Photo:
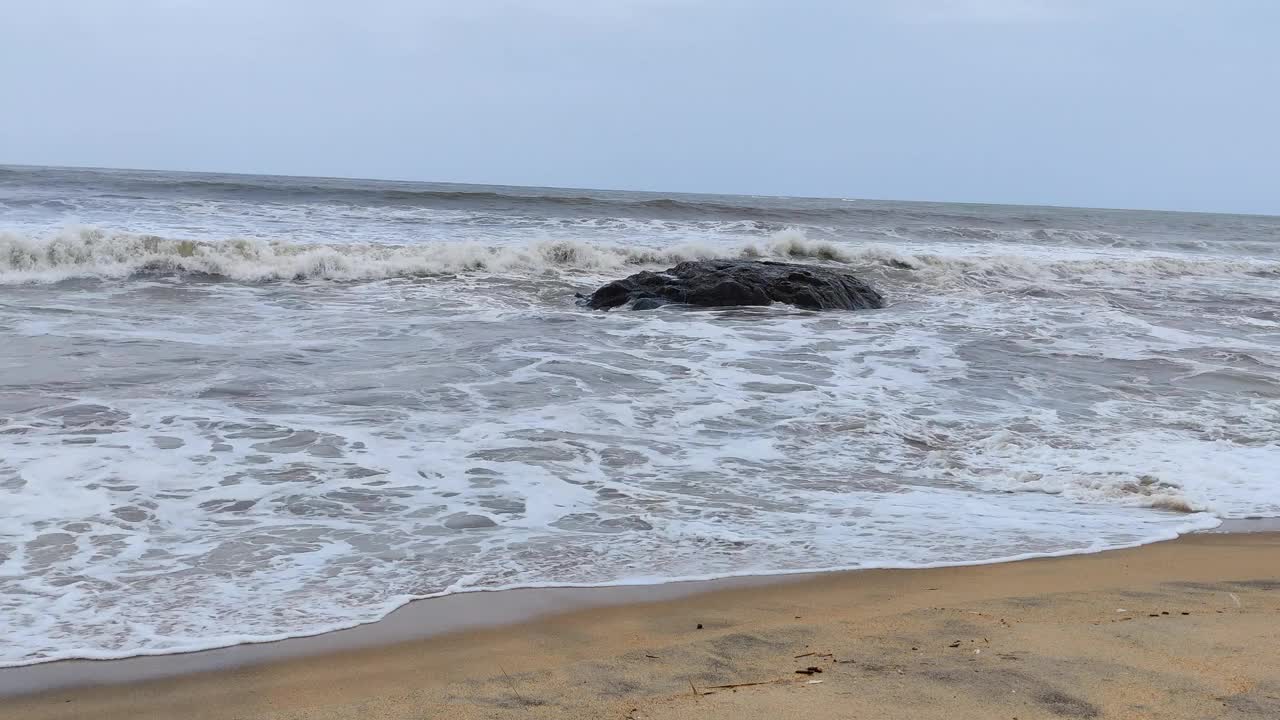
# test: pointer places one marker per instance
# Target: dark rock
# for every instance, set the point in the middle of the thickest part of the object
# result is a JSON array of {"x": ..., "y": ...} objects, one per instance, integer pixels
[
  {"x": 466, "y": 521},
  {"x": 647, "y": 303},
  {"x": 726, "y": 283}
]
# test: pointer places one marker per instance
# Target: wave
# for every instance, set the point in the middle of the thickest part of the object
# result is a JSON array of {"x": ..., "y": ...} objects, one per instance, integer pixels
[
  {"x": 98, "y": 253},
  {"x": 602, "y": 203},
  {"x": 1019, "y": 269},
  {"x": 1071, "y": 237},
  {"x": 531, "y": 200},
  {"x": 545, "y": 201}
]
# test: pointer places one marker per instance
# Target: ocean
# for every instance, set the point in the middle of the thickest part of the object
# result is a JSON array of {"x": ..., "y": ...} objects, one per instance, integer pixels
[{"x": 243, "y": 408}]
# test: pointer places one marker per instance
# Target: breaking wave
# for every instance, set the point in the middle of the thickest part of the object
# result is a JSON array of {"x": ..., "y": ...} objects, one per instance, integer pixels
[{"x": 102, "y": 254}]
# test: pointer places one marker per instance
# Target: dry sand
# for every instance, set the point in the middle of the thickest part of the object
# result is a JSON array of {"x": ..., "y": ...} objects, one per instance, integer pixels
[{"x": 1184, "y": 629}]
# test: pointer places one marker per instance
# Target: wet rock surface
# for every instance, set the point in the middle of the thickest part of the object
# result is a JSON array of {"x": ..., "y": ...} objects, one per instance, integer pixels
[{"x": 728, "y": 283}]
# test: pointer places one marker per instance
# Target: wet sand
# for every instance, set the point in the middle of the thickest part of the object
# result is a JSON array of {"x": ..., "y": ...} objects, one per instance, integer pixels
[{"x": 1183, "y": 629}]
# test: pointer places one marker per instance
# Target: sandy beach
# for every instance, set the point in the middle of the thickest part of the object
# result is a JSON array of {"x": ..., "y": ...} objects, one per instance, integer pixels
[{"x": 1183, "y": 629}]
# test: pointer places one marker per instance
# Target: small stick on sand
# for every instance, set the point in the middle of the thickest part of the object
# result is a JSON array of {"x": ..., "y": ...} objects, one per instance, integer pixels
[
  {"x": 512, "y": 683},
  {"x": 738, "y": 685}
]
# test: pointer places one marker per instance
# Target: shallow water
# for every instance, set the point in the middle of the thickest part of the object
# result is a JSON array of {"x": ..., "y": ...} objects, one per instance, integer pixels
[{"x": 237, "y": 408}]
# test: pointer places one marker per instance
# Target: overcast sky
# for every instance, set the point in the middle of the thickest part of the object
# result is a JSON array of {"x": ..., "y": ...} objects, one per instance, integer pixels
[{"x": 1115, "y": 103}]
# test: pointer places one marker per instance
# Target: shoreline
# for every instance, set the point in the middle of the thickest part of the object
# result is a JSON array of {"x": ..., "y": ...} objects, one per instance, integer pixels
[
  {"x": 427, "y": 618},
  {"x": 1181, "y": 630}
]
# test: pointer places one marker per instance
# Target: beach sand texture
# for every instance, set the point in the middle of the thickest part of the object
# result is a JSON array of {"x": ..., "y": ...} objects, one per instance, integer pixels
[{"x": 1183, "y": 629}]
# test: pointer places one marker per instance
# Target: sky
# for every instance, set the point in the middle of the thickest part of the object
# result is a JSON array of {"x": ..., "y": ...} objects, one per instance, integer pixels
[{"x": 1171, "y": 104}]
